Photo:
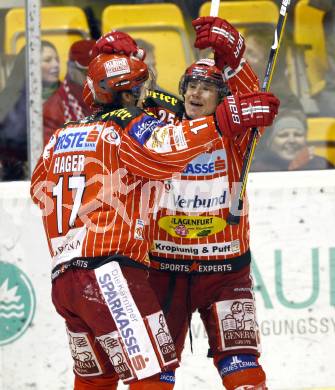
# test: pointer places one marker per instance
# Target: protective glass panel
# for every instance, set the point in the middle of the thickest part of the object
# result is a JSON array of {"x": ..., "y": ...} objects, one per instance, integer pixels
[
  {"x": 302, "y": 135},
  {"x": 13, "y": 113}
]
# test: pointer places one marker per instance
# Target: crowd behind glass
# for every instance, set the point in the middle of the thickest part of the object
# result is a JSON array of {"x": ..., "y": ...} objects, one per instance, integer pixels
[{"x": 286, "y": 146}]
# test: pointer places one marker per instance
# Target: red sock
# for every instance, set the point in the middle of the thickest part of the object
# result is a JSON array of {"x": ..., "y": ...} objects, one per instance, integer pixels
[
  {"x": 151, "y": 384},
  {"x": 104, "y": 383},
  {"x": 250, "y": 378}
]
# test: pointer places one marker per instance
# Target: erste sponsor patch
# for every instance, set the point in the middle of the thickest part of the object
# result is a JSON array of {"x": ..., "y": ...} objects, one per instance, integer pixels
[{"x": 77, "y": 139}]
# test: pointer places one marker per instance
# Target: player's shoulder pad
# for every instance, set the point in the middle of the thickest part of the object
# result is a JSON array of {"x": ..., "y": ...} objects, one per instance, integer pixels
[
  {"x": 156, "y": 98},
  {"x": 122, "y": 116}
]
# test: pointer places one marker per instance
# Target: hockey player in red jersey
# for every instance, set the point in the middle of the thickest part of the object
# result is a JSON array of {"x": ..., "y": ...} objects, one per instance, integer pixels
[
  {"x": 96, "y": 183},
  {"x": 200, "y": 262}
]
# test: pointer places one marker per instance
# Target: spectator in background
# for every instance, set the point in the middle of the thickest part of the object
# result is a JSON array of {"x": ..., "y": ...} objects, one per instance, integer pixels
[
  {"x": 284, "y": 147},
  {"x": 13, "y": 111},
  {"x": 150, "y": 60},
  {"x": 66, "y": 103},
  {"x": 258, "y": 41},
  {"x": 50, "y": 69},
  {"x": 13, "y": 123}
]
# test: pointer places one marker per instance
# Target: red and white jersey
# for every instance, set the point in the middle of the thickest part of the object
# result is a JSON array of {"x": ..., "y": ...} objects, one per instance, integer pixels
[
  {"x": 97, "y": 180},
  {"x": 191, "y": 218}
]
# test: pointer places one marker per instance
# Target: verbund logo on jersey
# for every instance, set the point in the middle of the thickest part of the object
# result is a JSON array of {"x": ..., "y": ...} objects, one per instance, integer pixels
[
  {"x": 75, "y": 139},
  {"x": 207, "y": 164},
  {"x": 196, "y": 195}
]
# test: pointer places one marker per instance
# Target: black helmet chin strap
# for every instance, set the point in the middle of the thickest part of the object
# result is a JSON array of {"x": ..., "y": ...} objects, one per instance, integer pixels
[{"x": 115, "y": 104}]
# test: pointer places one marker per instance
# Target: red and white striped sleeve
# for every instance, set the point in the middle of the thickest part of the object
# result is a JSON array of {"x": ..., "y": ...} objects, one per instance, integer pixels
[
  {"x": 157, "y": 151},
  {"x": 241, "y": 80}
]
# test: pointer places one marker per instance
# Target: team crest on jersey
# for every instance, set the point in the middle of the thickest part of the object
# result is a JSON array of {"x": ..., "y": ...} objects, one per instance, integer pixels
[
  {"x": 78, "y": 139},
  {"x": 111, "y": 136}
]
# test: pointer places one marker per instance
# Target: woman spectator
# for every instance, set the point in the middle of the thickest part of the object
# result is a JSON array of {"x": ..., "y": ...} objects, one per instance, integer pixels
[
  {"x": 50, "y": 69},
  {"x": 13, "y": 123},
  {"x": 13, "y": 111},
  {"x": 66, "y": 103},
  {"x": 284, "y": 147}
]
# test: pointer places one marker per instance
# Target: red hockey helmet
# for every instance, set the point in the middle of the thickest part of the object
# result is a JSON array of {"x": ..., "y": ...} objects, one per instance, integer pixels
[
  {"x": 203, "y": 70},
  {"x": 109, "y": 74}
]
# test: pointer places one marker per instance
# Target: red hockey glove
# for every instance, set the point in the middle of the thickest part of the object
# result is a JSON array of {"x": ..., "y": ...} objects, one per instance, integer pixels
[
  {"x": 227, "y": 42},
  {"x": 238, "y": 112},
  {"x": 117, "y": 42}
]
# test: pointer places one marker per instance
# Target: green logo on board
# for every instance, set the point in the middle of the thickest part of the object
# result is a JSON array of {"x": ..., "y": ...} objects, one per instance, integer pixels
[{"x": 17, "y": 303}]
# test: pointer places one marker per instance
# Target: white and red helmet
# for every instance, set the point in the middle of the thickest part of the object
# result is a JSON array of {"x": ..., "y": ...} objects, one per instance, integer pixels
[
  {"x": 109, "y": 74},
  {"x": 203, "y": 70}
]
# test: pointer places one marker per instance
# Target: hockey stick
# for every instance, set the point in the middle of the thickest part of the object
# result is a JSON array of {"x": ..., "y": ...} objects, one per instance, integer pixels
[
  {"x": 214, "y": 8},
  {"x": 236, "y": 206},
  {"x": 214, "y": 11}
]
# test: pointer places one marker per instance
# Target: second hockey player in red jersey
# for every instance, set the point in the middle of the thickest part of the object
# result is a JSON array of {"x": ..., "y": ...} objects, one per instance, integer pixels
[
  {"x": 93, "y": 184},
  {"x": 201, "y": 262}
]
